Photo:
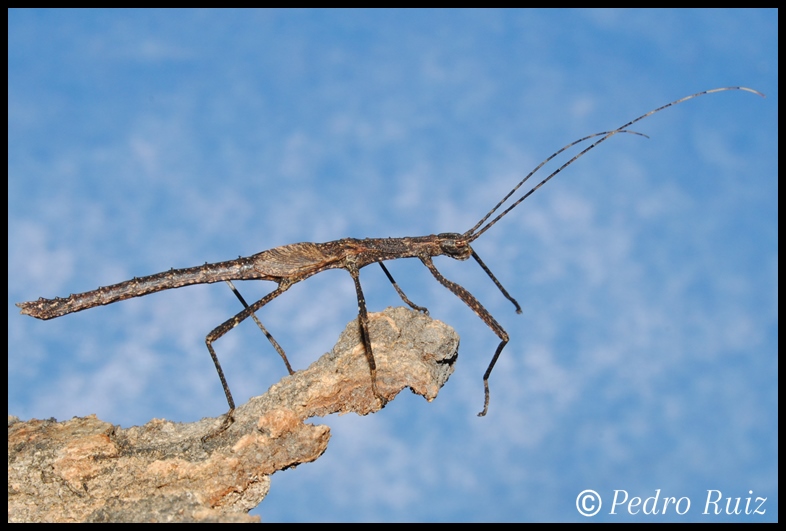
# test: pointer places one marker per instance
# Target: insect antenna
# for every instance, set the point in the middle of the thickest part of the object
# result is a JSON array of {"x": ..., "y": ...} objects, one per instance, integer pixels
[
  {"x": 472, "y": 235},
  {"x": 471, "y": 231}
]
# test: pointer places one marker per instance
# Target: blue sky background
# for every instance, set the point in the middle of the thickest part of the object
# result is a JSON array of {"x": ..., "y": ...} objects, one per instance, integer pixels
[{"x": 646, "y": 354}]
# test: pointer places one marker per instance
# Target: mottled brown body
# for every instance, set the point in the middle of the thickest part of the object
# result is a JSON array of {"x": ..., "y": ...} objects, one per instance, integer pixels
[
  {"x": 286, "y": 264},
  {"x": 290, "y": 264}
]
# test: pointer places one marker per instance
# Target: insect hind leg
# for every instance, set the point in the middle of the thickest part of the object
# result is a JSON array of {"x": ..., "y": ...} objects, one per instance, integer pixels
[
  {"x": 268, "y": 335},
  {"x": 225, "y": 327}
]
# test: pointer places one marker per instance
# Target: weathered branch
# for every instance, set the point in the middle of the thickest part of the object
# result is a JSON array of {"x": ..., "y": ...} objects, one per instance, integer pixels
[{"x": 85, "y": 469}]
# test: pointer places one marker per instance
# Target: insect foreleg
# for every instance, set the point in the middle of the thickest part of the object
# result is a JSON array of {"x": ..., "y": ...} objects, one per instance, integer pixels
[
  {"x": 264, "y": 330},
  {"x": 481, "y": 312},
  {"x": 492, "y": 277},
  {"x": 400, "y": 292}
]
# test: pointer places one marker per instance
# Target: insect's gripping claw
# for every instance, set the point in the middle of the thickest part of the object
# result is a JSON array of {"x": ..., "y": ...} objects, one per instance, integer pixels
[
  {"x": 229, "y": 419},
  {"x": 486, "y": 402},
  {"x": 382, "y": 400}
]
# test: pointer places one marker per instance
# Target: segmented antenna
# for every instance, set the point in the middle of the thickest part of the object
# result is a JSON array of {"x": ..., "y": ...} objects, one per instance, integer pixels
[{"x": 471, "y": 235}]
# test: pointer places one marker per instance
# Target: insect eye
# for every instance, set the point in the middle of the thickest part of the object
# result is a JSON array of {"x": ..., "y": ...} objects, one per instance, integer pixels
[{"x": 456, "y": 248}]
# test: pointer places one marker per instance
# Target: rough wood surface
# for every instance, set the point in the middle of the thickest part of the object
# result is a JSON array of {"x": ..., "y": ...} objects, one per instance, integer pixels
[{"x": 85, "y": 469}]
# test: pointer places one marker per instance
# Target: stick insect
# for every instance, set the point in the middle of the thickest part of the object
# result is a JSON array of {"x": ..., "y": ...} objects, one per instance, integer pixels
[{"x": 290, "y": 264}]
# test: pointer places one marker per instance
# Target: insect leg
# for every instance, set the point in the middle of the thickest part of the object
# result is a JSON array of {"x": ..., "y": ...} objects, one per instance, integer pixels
[
  {"x": 228, "y": 325},
  {"x": 481, "y": 312},
  {"x": 363, "y": 318},
  {"x": 492, "y": 277},
  {"x": 264, "y": 330},
  {"x": 400, "y": 292}
]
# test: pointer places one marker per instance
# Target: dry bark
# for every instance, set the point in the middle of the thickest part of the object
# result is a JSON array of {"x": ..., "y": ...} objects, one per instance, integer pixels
[{"x": 85, "y": 469}]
